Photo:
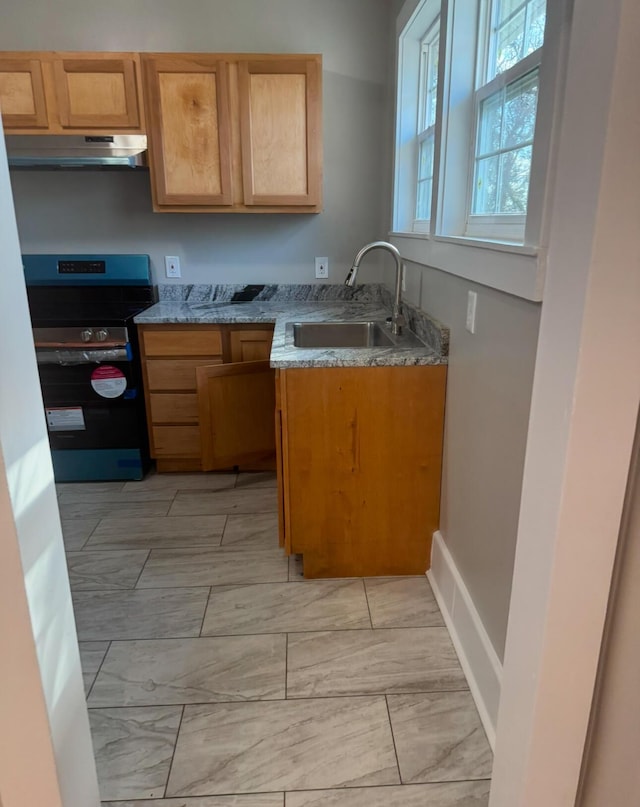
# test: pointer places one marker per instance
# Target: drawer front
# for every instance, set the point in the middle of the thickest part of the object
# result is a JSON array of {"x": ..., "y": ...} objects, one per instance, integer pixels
[
  {"x": 175, "y": 374},
  {"x": 176, "y": 441},
  {"x": 198, "y": 342},
  {"x": 174, "y": 407}
]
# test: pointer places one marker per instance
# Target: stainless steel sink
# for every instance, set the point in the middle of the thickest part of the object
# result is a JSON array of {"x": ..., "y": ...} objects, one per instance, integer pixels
[{"x": 341, "y": 334}]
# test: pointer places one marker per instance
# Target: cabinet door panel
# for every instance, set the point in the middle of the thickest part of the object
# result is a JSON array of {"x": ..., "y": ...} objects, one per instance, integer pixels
[
  {"x": 188, "y": 111},
  {"x": 280, "y": 131},
  {"x": 22, "y": 99},
  {"x": 96, "y": 93},
  {"x": 250, "y": 345},
  {"x": 362, "y": 465},
  {"x": 237, "y": 406}
]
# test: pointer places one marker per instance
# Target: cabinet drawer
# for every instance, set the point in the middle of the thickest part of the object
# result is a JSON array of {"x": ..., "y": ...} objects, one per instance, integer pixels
[
  {"x": 167, "y": 342},
  {"x": 176, "y": 441},
  {"x": 174, "y": 408},
  {"x": 175, "y": 374}
]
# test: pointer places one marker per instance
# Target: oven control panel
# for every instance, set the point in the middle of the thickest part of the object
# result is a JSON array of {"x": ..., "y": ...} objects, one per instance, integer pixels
[
  {"x": 76, "y": 337},
  {"x": 67, "y": 267}
]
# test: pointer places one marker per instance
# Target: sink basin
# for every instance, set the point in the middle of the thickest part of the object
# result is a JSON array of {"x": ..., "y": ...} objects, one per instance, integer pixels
[{"x": 341, "y": 334}]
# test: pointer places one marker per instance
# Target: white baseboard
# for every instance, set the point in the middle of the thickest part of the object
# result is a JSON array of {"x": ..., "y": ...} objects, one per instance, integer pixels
[{"x": 479, "y": 660}]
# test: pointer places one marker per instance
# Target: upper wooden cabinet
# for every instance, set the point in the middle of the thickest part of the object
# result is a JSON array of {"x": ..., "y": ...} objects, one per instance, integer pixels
[
  {"x": 280, "y": 128},
  {"x": 234, "y": 132},
  {"x": 55, "y": 93},
  {"x": 22, "y": 99},
  {"x": 189, "y": 122}
]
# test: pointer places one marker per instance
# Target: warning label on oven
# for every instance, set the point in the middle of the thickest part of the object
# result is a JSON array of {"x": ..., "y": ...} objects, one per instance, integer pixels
[
  {"x": 108, "y": 381},
  {"x": 65, "y": 419}
]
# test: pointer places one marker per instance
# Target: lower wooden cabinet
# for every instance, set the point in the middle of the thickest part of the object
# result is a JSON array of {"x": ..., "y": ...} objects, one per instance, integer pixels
[
  {"x": 209, "y": 403},
  {"x": 359, "y": 467}
]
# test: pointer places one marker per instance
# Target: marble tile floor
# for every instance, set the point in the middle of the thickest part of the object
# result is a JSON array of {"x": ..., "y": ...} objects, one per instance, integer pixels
[{"x": 216, "y": 676}]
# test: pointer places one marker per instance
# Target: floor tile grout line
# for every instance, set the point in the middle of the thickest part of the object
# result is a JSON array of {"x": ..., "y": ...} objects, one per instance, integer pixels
[
  {"x": 227, "y": 635},
  {"x": 393, "y": 738},
  {"x": 131, "y": 548},
  {"x": 146, "y": 560},
  {"x": 204, "y": 615},
  {"x": 224, "y": 529},
  {"x": 175, "y": 745},
  {"x": 88, "y": 538},
  {"x": 366, "y": 596},
  {"x": 288, "y": 699},
  {"x": 286, "y": 667},
  {"x": 98, "y": 672}
]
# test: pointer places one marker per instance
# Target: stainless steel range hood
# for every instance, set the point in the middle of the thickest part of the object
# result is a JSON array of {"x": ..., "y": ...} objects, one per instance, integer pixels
[{"x": 77, "y": 151}]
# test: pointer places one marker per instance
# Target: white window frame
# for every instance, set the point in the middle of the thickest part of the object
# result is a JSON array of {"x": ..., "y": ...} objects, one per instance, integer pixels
[
  {"x": 430, "y": 41},
  {"x": 507, "y": 227},
  {"x": 419, "y": 24},
  {"x": 452, "y": 245}
]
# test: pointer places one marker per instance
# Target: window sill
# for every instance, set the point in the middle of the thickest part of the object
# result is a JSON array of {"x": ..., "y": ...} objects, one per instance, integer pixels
[{"x": 513, "y": 268}]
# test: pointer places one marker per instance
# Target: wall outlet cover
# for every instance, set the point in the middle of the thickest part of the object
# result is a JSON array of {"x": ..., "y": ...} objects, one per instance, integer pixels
[{"x": 322, "y": 268}]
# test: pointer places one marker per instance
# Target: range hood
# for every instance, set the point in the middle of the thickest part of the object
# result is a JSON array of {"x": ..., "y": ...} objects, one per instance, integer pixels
[{"x": 77, "y": 151}]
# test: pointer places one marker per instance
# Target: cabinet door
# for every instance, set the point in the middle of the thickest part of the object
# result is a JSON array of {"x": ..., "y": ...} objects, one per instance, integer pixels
[
  {"x": 237, "y": 405},
  {"x": 280, "y": 120},
  {"x": 251, "y": 345},
  {"x": 281, "y": 470},
  {"x": 97, "y": 92},
  {"x": 189, "y": 129},
  {"x": 22, "y": 99}
]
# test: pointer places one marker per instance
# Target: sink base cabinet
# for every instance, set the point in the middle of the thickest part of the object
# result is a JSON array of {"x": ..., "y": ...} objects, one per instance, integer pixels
[
  {"x": 209, "y": 404},
  {"x": 359, "y": 465}
]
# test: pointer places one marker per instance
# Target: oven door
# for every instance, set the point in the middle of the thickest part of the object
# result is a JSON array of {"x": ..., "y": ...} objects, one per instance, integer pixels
[{"x": 95, "y": 413}]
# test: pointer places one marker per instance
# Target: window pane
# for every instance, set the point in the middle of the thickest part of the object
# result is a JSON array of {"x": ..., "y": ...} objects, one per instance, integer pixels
[
  {"x": 486, "y": 186},
  {"x": 490, "y": 128},
  {"x": 536, "y": 18},
  {"x": 432, "y": 82},
  {"x": 513, "y": 189},
  {"x": 510, "y": 42},
  {"x": 425, "y": 163},
  {"x": 519, "y": 117},
  {"x": 518, "y": 30},
  {"x": 425, "y": 177},
  {"x": 423, "y": 207}
]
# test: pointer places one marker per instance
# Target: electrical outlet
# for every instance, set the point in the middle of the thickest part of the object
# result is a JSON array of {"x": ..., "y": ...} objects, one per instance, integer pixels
[
  {"x": 322, "y": 268},
  {"x": 172, "y": 266},
  {"x": 472, "y": 300}
]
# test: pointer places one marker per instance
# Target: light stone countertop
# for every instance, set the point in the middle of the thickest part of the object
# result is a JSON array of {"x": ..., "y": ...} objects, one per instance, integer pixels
[{"x": 284, "y": 355}]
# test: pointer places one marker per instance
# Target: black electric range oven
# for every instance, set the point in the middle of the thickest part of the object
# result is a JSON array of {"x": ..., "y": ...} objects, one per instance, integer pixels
[{"x": 82, "y": 309}]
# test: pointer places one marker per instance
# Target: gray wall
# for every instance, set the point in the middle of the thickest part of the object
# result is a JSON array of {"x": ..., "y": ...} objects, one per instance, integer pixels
[
  {"x": 488, "y": 398},
  {"x": 112, "y": 212}
]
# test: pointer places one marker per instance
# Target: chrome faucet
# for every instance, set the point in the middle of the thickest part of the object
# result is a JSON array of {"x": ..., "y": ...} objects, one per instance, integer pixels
[{"x": 397, "y": 319}]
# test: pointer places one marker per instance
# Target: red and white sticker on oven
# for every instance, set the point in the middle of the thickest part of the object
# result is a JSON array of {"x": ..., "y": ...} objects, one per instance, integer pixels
[{"x": 108, "y": 381}]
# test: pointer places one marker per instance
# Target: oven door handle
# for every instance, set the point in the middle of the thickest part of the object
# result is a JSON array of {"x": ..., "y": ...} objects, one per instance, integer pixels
[{"x": 66, "y": 358}]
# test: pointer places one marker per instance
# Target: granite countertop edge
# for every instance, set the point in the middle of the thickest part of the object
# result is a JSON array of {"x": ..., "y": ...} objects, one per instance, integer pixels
[{"x": 284, "y": 355}]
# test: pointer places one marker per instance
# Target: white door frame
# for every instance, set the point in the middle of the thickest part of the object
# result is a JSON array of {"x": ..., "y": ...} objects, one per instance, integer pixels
[{"x": 585, "y": 402}]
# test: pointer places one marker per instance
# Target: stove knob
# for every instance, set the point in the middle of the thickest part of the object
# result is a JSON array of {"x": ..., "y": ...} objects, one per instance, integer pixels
[
  {"x": 101, "y": 334},
  {"x": 86, "y": 335}
]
